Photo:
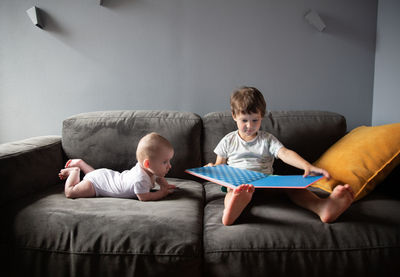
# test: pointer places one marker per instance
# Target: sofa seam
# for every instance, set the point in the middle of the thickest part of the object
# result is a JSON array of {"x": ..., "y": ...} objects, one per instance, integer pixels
[
  {"x": 304, "y": 249},
  {"x": 97, "y": 253},
  {"x": 133, "y": 117},
  {"x": 285, "y": 116}
]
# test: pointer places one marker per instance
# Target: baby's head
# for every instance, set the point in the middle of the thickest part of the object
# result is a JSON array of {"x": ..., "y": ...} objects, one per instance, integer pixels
[
  {"x": 248, "y": 108},
  {"x": 154, "y": 153},
  {"x": 247, "y": 100}
]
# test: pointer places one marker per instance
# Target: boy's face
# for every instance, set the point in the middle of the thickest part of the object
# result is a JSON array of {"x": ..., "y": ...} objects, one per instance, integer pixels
[
  {"x": 248, "y": 125},
  {"x": 160, "y": 165}
]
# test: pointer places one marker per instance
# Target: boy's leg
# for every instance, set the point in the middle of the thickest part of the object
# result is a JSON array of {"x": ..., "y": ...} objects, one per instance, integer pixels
[
  {"x": 79, "y": 163},
  {"x": 235, "y": 202},
  {"x": 328, "y": 209},
  {"x": 74, "y": 188}
]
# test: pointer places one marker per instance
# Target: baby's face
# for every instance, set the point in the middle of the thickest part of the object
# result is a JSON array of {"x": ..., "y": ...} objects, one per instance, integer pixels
[
  {"x": 162, "y": 164},
  {"x": 248, "y": 125}
]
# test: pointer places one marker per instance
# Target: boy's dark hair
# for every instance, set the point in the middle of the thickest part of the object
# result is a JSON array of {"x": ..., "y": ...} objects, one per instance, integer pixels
[{"x": 246, "y": 100}]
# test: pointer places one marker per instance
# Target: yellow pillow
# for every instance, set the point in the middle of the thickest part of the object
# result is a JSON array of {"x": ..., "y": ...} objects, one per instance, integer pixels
[{"x": 362, "y": 158}]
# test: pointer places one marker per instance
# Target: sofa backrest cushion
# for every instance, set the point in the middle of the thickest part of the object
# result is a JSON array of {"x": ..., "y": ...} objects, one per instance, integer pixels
[
  {"x": 29, "y": 166},
  {"x": 109, "y": 139},
  {"x": 309, "y": 133}
]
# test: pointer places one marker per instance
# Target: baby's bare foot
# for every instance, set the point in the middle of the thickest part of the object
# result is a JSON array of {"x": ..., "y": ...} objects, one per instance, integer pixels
[
  {"x": 81, "y": 164},
  {"x": 64, "y": 173},
  {"x": 73, "y": 163},
  {"x": 340, "y": 199},
  {"x": 235, "y": 205}
]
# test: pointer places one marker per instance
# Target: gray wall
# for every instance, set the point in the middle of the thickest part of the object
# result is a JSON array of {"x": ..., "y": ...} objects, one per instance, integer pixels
[
  {"x": 181, "y": 55},
  {"x": 387, "y": 64}
]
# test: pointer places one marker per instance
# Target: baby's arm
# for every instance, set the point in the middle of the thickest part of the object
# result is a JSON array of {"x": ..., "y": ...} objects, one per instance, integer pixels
[
  {"x": 163, "y": 183},
  {"x": 219, "y": 160},
  {"x": 292, "y": 158},
  {"x": 164, "y": 190},
  {"x": 153, "y": 196}
]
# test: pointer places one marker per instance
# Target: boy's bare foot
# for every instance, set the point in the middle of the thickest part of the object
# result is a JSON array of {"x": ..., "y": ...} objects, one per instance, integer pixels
[
  {"x": 236, "y": 202},
  {"x": 338, "y": 201},
  {"x": 64, "y": 173}
]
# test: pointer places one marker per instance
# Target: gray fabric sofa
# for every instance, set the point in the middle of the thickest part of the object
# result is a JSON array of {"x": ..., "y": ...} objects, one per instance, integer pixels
[{"x": 46, "y": 234}]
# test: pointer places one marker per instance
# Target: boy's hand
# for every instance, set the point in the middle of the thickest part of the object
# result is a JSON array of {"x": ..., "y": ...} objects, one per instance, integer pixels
[
  {"x": 290, "y": 157},
  {"x": 219, "y": 161},
  {"x": 313, "y": 170}
]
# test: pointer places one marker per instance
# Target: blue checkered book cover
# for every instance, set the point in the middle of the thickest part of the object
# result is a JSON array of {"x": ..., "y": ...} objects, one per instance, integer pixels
[{"x": 232, "y": 177}]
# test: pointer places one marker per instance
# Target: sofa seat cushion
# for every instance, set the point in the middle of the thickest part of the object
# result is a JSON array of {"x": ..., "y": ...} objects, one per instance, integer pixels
[
  {"x": 274, "y": 237},
  {"x": 111, "y": 236}
]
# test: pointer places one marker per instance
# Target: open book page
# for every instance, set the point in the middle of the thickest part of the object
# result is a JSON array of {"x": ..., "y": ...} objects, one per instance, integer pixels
[{"x": 232, "y": 177}]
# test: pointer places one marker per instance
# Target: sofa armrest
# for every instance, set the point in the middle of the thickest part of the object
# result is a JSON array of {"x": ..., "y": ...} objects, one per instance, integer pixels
[{"x": 28, "y": 166}]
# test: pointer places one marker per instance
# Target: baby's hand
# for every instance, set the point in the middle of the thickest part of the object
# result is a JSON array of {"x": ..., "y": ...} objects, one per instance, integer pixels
[
  {"x": 161, "y": 181},
  {"x": 165, "y": 186},
  {"x": 171, "y": 186},
  {"x": 167, "y": 189},
  {"x": 210, "y": 164}
]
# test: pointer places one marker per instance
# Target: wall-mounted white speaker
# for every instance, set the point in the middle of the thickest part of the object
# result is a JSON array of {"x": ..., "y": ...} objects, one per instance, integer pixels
[
  {"x": 34, "y": 15},
  {"x": 315, "y": 20}
]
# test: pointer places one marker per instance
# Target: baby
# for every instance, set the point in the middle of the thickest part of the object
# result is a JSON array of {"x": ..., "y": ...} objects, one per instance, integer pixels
[{"x": 153, "y": 154}]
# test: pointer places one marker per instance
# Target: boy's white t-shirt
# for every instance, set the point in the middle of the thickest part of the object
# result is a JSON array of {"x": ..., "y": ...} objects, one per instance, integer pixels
[
  {"x": 257, "y": 154},
  {"x": 124, "y": 184}
]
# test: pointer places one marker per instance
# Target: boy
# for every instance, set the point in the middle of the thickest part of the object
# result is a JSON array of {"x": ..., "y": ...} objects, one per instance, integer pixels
[
  {"x": 153, "y": 153},
  {"x": 252, "y": 149}
]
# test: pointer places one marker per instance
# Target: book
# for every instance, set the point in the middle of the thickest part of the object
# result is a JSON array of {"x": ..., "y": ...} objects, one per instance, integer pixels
[{"x": 232, "y": 177}]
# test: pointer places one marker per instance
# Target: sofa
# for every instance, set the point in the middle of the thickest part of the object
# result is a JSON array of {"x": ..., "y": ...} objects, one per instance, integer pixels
[{"x": 46, "y": 234}]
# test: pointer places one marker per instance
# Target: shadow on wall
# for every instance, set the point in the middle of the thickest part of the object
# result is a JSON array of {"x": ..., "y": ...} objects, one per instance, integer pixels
[
  {"x": 347, "y": 30},
  {"x": 112, "y": 4},
  {"x": 52, "y": 25}
]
